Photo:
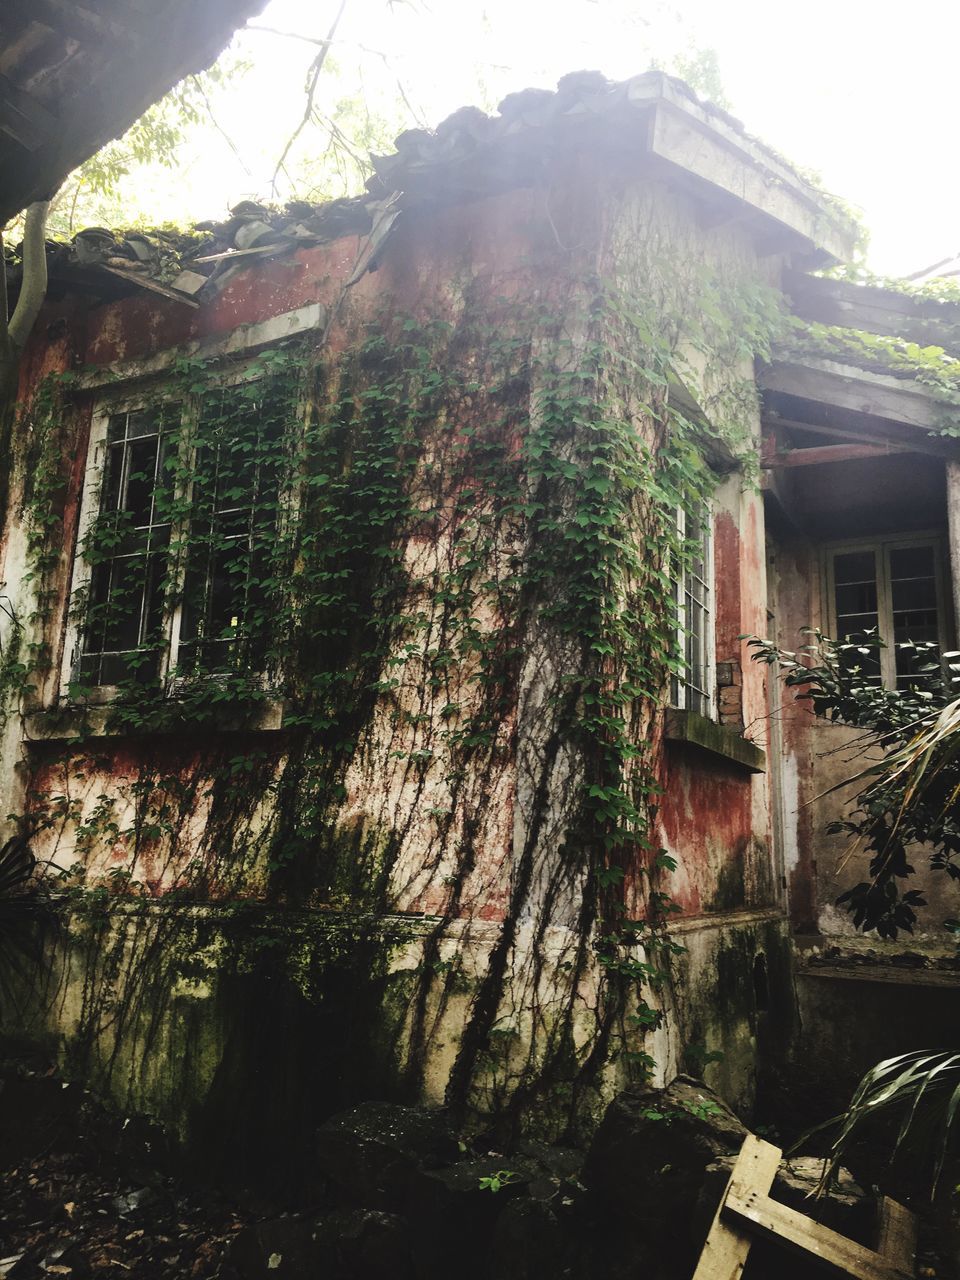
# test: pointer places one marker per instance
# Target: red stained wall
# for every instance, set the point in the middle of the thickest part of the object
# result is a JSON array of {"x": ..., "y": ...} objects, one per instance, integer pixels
[{"x": 710, "y": 813}]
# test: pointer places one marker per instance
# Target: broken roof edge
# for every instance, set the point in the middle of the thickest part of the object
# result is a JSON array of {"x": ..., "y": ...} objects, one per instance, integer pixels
[
  {"x": 469, "y": 154},
  {"x": 830, "y": 229},
  {"x": 679, "y": 129}
]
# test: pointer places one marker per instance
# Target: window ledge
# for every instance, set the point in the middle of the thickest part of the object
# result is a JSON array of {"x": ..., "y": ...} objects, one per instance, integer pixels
[
  {"x": 717, "y": 739},
  {"x": 77, "y": 723}
]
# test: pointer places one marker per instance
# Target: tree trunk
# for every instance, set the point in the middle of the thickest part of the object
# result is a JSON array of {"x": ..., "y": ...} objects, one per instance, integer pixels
[{"x": 15, "y": 331}]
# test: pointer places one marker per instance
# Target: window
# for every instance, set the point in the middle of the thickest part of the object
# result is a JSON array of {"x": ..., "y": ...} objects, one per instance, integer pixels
[
  {"x": 692, "y": 688},
  {"x": 180, "y": 533},
  {"x": 234, "y": 502},
  {"x": 129, "y": 556},
  {"x": 892, "y": 588}
]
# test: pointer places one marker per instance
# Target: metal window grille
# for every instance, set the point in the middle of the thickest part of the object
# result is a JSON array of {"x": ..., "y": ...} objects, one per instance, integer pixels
[
  {"x": 123, "y": 637},
  {"x": 692, "y": 688},
  {"x": 232, "y": 529},
  {"x": 167, "y": 598}
]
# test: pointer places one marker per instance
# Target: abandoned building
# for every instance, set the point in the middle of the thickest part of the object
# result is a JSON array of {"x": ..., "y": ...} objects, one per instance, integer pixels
[{"x": 375, "y": 581}]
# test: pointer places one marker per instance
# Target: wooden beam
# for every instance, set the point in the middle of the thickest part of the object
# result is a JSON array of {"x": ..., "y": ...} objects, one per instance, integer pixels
[
  {"x": 773, "y": 421},
  {"x": 786, "y": 1226},
  {"x": 726, "y": 1250},
  {"x": 932, "y": 446},
  {"x": 825, "y": 453},
  {"x": 875, "y": 310}
]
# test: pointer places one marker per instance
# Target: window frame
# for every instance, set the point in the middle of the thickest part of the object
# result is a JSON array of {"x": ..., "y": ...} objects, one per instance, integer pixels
[
  {"x": 153, "y": 398},
  {"x": 706, "y": 697},
  {"x": 882, "y": 546}
]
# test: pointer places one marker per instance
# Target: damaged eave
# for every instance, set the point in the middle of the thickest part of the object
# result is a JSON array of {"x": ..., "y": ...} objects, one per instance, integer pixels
[
  {"x": 713, "y": 150},
  {"x": 875, "y": 395},
  {"x": 651, "y": 121}
]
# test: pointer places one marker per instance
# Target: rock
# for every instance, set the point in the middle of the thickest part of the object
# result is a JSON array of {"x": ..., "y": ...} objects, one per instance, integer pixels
[
  {"x": 553, "y": 1171},
  {"x": 372, "y": 1153},
  {"x": 283, "y": 1249},
  {"x": 453, "y": 1213},
  {"x": 364, "y": 1244},
  {"x": 528, "y": 1243},
  {"x": 646, "y": 1166},
  {"x": 562, "y": 1162},
  {"x": 348, "y": 1244},
  {"x": 650, "y": 1151}
]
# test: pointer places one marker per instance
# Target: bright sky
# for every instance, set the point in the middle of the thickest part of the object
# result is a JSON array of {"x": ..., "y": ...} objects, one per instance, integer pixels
[{"x": 864, "y": 92}]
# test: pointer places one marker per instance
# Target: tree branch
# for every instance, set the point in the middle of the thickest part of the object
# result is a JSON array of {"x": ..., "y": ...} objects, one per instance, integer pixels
[
  {"x": 33, "y": 287},
  {"x": 313, "y": 76},
  {"x": 5, "y": 352}
]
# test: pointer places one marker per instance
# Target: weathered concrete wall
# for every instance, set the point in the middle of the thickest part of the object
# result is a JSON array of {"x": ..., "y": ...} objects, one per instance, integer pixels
[{"x": 455, "y": 897}]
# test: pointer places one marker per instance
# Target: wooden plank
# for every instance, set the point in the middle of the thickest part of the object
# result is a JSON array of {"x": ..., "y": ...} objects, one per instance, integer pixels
[
  {"x": 873, "y": 309},
  {"x": 897, "y": 1236},
  {"x": 786, "y": 1226},
  {"x": 154, "y": 286},
  {"x": 773, "y": 421},
  {"x": 726, "y": 1249},
  {"x": 275, "y": 246}
]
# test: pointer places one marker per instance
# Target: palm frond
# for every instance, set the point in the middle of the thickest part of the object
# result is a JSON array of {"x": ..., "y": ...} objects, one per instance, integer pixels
[{"x": 923, "y": 1085}]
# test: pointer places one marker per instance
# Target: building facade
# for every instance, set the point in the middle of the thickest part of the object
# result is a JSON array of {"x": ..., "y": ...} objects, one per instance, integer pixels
[{"x": 376, "y": 577}]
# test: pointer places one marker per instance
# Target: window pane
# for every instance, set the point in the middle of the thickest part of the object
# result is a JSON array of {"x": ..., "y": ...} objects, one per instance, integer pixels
[
  {"x": 693, "y": 601},
  {"x": 128, "y": 546},
  {"x": 236, "y": 491},
  {"x": 856, "y": 599},
  {"x": 141, "y": 463},
  {"x": 855, "y": 592},
  {"x": 856, "y": 608},
  {"x": 913, "y": 594}
]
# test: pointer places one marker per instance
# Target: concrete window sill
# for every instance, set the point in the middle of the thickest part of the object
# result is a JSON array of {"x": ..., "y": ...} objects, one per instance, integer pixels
[
  {"x": 77, "y": 723},
  {"x": 716, "y": 739}
]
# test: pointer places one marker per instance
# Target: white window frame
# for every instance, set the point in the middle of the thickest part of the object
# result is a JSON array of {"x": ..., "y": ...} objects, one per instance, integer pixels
[
  {"x": 82, "y": 576},
  {"x": 882, "y": 547},
  {"x": 103, "y": 410},
  {"x": 702, "y": 700}
]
